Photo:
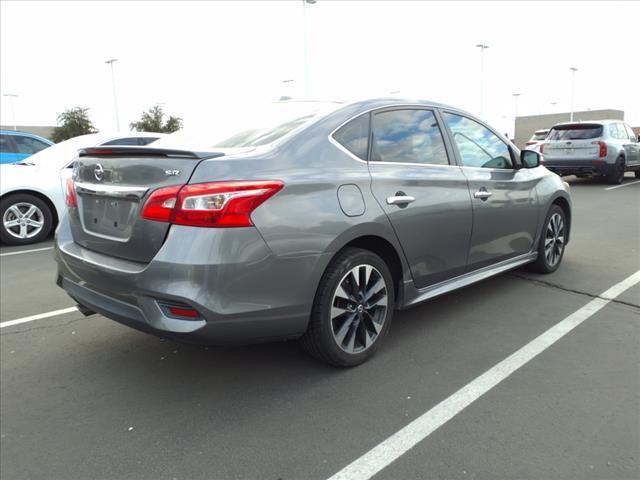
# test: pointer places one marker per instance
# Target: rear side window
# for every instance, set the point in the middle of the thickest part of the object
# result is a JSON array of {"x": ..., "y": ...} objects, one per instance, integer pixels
[
  {"x": 630, "y": 133},
  {"x": 28, "y": 145},
  {"x": 407, "y": 136},
  {"x": 478, "y": 146},
  {"x": 583, "y": 131},
  {"x": 354, "y": 136},
  {"x": 6, "y": 146}
]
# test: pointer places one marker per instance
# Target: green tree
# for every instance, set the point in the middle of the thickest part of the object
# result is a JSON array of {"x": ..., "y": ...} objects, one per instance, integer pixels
[
  {"x": 153, "y": 121},
  {"x": 71, "y": 123}
]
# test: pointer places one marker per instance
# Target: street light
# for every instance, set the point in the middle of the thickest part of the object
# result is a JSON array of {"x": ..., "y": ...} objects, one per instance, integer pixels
[
  {"x": 573, "y": 89},
  {"x": 515, "y": 117},
  {"x": 482, "y": 48},
  {"x": 115, "y": 98},
  {"x": 13, "y": 112},
  {"x": 306, "y": 44},
  {"x": 553, "y": 106}
]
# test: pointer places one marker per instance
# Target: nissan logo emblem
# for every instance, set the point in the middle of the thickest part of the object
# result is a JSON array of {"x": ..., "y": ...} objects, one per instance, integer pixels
[{"x": 98, "y": 172}]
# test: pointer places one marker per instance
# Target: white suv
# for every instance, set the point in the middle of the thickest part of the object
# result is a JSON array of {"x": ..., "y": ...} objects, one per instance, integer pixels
[{"x": 605, "y": 148}]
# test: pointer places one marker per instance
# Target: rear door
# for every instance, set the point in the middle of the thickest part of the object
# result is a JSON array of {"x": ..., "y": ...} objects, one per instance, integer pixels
[
  {"x": 504, "y": 199},
  {"x": 423, "y": 193},
  {"x": 112, "y": 184}
]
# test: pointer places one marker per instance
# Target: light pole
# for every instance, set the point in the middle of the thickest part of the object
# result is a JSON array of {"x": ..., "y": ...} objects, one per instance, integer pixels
[
  {"x": 13, "y": 112},
  {"x": 482, "y": 48},
  {"x": 553, "y": 106},
  {"x": 573, "y": 89},
  {"x": 515, "y": 117},
  {"x": 115, "y": 98},
  {"x": 306, "y": 44}
]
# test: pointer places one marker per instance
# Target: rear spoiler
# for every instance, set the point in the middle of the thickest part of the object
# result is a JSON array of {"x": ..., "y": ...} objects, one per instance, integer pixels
[{"x": 136, "y": 151}]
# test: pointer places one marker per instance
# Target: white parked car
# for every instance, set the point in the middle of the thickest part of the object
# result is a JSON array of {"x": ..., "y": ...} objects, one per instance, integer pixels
[
  {"x": 32, "y": 191},
  {"x": 536, "y": 139}
]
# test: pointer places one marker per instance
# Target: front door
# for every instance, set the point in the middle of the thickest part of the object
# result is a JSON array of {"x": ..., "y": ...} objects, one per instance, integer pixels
[{"x": 505, "y": 204}]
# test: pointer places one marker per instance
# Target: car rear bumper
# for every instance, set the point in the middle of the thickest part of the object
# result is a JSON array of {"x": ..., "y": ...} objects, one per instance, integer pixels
[
  {"x": 241, "y": 290},
  {"x": 578, "y": 167}
]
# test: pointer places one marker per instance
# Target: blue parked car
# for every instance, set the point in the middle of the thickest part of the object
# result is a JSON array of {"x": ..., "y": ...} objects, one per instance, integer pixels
[{"x": 16, "y": 146}]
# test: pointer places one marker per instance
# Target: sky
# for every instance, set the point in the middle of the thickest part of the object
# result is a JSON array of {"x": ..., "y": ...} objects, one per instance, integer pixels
[{"x": 198, "y": 59}]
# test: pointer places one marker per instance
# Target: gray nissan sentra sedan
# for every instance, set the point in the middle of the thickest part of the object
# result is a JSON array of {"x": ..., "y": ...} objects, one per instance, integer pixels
[{"x": 313, "y": 221}]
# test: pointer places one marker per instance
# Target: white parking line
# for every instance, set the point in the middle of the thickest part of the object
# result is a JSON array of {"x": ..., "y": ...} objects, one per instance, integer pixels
[
  {"x": 623, "y": 185},
  {"x": 25, "y": 251},
  {"x": 40, "y": 316},
  {"x": 402, "y": 441}
]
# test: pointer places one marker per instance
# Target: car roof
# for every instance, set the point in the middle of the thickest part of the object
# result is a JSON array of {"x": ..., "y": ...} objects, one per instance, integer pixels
[
  {"x": 596, "y": 122},
  {"x": 24, "y": 134},
  {"x": 380, "y": 102}
]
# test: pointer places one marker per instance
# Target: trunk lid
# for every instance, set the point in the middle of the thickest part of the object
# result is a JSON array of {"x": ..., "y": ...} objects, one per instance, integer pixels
[{"x": 112, "y": 185}]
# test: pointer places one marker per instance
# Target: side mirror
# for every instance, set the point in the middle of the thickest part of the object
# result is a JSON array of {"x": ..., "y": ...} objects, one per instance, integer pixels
[{"x": 529, "y": 159}]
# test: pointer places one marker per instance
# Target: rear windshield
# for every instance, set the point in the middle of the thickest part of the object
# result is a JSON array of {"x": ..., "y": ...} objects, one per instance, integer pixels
[
  {"x": 247, "y": 127},
  {"x": 539, "y": 136},
  {"x": 575, "y": 132}
]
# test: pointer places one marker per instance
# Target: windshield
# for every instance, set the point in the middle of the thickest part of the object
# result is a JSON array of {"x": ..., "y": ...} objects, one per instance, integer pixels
[
  {"x": 539, "y": 136},
  {"x": 60, "y": 153},
  {"x": 247, "y": 128},
  {"x": 575, "y": 132}
]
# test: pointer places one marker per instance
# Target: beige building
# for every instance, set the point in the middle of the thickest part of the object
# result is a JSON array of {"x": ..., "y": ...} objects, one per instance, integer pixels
[{"x": 525, "y": 126}]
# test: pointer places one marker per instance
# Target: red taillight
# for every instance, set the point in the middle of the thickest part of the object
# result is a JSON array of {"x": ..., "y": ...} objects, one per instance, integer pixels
[
  {"x": 219, "y": 204},
  {"x": 70, "y": 194},
  {"x": 603, "y": 148},
  {"x": 531, "y": 143},
  {"x": 161, "y": 203},
  {"x": 542, "y": 148}
]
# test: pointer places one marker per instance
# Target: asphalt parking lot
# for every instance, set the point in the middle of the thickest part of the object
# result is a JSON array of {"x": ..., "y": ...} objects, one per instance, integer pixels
[{"x": 85, "y": 398}]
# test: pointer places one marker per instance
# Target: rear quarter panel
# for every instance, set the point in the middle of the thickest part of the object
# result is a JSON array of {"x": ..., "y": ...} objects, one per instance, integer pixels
[{"x": 305, "y": 218}]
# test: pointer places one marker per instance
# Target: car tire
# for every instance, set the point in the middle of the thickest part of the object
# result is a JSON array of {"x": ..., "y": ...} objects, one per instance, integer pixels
[
  {"x": 350, "y": 316},
  {"x": 552, "y": 241},
  {"x": 24, "y": 214},
  {"x": 616, "y": 175}
]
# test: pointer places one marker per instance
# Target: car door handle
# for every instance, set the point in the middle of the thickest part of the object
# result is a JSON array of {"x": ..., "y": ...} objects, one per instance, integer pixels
[
  {"x": 482, "y": 194},
  {"x": 400, "y": 200}
]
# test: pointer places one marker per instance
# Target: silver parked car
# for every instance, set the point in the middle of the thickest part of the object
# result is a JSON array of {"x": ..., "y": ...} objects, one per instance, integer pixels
[
  {"x": 316, "y": 223},
  {"x": 604, "y": 148}
]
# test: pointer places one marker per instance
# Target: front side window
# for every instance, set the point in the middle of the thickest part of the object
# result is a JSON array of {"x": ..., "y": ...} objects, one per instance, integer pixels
[
  {"x": 354, "y": 136},
  {"x": 407, "y": 136},
  {"x": 29, "y": 145},
  {"x": 478, "y": 146}
]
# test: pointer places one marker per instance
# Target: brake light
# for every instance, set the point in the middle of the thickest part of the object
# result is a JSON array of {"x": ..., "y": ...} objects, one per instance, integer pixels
[
  {"x": 71, "y": 198},
  {"x": 542, "y": 148},
  {"x": 161, "y": 203},
  {"x": 603, "y": 148},
  {"x": 218, "y": 204},
  {"x": 531, "y": 143}
]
